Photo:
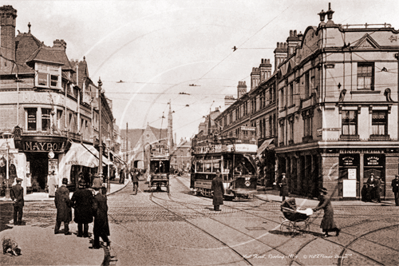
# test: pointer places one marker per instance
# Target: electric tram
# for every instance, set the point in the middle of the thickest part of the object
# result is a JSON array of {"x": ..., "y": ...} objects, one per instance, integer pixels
[
  {"x": 233, "y": 158},
  {"x": 159, "y": 166}
]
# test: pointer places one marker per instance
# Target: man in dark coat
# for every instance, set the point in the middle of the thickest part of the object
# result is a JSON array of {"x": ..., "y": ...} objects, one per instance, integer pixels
[
  {"x": 395, "y": 189},
  {"x": 218, "y": 191},
  {"x": 63, "y": 205},
  {"x": 17, "y": 196},
  {"x": 100, "y": 212},
  {"x": 82, "y": 201},
  {"x": 377, "y": 185},
  {"x": 122, "y": 176},
  {"x": 327, "y": 224},
  {"x": 371, "y": 187},
  {"x": 283, "y": 187},
  {"x": 135, "y": 181}
]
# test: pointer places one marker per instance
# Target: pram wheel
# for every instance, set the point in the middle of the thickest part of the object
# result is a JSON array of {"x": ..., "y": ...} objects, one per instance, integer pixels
[{"x": 286, "y": 226}]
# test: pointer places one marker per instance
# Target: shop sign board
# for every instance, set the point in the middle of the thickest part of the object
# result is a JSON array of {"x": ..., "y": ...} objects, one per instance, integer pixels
[
  {"x": 374, "y": 160},
  {"x": 349, "y": 188},
  {"x": 41, "y": 146},
  {"x": 349, "y": 160}
]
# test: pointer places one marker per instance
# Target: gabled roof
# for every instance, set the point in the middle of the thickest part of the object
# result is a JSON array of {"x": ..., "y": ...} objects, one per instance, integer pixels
[
  {"x": 25, "y": 45},
  {"x": 82, "y": 71},
  {"x": 366, "y": 42},
  {"x": 44, "y": 54},
  {"x": 159, "y": 133}
]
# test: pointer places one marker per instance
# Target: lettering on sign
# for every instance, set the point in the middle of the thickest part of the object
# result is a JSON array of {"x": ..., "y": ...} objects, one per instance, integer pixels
[
  {"x": 349, "y": 151},
  {"x": 36, "y": 146}
]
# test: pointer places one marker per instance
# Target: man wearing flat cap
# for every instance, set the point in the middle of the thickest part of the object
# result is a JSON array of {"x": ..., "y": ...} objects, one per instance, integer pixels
[{"x": 17, "y": 196}]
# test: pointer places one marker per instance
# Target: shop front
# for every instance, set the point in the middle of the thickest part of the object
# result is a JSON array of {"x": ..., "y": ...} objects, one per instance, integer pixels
[
  {"x": 41, "y": 155},
  {"x": 355, "y": 168}
]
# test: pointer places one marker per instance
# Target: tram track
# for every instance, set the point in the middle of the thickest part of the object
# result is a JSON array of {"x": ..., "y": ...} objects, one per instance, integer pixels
[
  {"x": 189, "y": 205},
  {"x": 202, "y": 230},
  {"x": 275, "y": 248},
  {"x": 344, "y": 247}
]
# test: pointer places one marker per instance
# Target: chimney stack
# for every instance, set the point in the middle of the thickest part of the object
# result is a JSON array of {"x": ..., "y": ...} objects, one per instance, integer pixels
[
  {"x": 241, "y": 89},
  {"x": 59, "y": 44},
  {"x": 265, "y": 70},
  {"x": 280, "y": 54},
  {"x": 255, "y": 77},
  {"x": 7, "y": 37}
]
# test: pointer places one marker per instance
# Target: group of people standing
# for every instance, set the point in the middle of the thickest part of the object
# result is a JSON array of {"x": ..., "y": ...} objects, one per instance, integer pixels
[{"x": 89, "y": 204}]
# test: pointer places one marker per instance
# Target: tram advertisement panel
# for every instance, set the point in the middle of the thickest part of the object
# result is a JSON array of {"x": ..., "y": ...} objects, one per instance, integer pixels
[{"x": 203, "y": 184}]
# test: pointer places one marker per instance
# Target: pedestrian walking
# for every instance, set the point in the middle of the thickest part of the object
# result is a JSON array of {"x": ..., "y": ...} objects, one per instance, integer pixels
[
  {"x": 82, "y": 202},
  {"x": 17, "y": 196},
  {"x": 395, "y": 189},
  {"x": 135, "y": 181},
  {"x": 63, "y": 205},
  {"x": 218, "y": 191},
  {"x": 100, "y": 212},
  {"x": 122, "y": 176},
  {"x": 327, "y": 224},
  {"x": 52, "y": 183},
  {"x": 377, "y": 187},
  {"x": 283, "y": 184}
]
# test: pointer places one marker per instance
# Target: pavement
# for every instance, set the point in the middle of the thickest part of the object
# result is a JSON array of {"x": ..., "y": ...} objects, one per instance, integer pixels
[
  {"x": 40, "y": 246},
  {"x": 273, "y": 195}
]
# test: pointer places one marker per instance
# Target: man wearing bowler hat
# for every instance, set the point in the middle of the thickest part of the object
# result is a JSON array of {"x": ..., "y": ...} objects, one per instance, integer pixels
[
  {"x": 17, "y": 196},
  {"x": 82, "y": 201},
  {"x": 100, "y": 213}
]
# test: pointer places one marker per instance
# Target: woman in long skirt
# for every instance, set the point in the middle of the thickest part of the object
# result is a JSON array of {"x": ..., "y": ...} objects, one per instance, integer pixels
[{"x": 327, "y": 224}]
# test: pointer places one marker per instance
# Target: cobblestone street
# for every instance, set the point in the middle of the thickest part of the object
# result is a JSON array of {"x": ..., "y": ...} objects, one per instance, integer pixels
[{"x": 157, "y": 228}]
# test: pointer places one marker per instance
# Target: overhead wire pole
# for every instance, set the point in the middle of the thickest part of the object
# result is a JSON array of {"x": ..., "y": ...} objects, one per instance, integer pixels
[{"x": 100, "y": 164}]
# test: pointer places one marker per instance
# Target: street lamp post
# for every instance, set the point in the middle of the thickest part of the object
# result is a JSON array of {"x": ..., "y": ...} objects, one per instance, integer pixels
[
  {"x": 100, "y": 166},
  {"x": 7, "y": 192},
  {"x": 109, "y": 160}
]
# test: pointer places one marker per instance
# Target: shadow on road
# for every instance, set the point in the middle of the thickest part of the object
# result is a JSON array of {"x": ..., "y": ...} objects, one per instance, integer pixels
[{"x": 6, "y": 215}]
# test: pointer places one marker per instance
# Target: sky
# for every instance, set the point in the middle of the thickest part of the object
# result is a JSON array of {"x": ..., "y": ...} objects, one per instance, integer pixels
[{"x": 147, "y": 53}]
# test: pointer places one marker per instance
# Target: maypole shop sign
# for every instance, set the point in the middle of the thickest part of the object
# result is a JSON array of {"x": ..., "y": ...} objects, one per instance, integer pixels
[{"x": 43, "y": 146}]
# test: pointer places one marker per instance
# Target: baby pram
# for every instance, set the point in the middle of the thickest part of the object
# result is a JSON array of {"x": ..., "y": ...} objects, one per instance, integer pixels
[{"x": 294, "y": 220}]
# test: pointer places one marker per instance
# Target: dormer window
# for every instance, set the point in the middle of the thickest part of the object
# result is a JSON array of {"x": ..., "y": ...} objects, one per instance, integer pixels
[{"x": 48, "y": 76}]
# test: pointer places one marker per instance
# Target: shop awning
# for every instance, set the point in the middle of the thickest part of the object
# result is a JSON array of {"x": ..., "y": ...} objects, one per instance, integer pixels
[
  {"x": 267, "y": 144},
  {"x": 95, "y": 153},
  {"x": 83, "y": 154}
]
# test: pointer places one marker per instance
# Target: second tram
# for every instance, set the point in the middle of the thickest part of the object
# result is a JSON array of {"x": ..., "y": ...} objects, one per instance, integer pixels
[{"x": 235, "y": 162}]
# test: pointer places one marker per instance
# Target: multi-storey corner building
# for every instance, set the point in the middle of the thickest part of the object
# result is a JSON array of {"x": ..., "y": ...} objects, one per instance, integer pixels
[
  {"x": 328, "y": 115},
  {"x": 338, "y": 109},
  {"x": 48, "y": 105}
]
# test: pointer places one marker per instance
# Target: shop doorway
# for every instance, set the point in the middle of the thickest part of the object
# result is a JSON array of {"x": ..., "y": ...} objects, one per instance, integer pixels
[
  {"x": 375, "y": 163},
  {"x": 39, "y": 170}
]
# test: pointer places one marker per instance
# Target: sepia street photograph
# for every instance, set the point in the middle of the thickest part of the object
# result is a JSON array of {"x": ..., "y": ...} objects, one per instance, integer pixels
[{"x": 199, "y": 132}]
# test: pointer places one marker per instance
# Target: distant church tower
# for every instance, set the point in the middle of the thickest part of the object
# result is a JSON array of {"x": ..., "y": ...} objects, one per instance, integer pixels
[{"x": 170, "y": 128}]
